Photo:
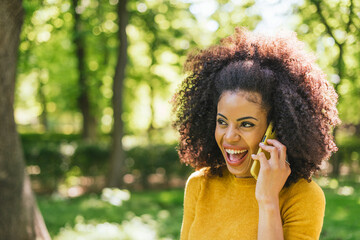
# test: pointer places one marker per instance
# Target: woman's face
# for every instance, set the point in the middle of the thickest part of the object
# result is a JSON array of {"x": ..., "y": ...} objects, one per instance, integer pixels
[{"x": 240, "y": 126}]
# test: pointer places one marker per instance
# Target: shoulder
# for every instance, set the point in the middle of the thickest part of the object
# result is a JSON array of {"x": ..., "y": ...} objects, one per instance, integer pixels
[
  {"x": 302, "y": 210},
  {"x": 305, "y": 190},
  {"x": 303, "y": 199},
  {"x": 193, "y": 185},
  {"x": 196, "y": 178}
]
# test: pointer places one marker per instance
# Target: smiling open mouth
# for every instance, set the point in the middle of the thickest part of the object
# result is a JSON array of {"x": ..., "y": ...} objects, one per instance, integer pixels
[{"x": 235, "y": 157}]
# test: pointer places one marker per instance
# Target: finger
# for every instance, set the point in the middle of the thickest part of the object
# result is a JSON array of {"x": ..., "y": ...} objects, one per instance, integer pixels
[
  {"x": 287, "y": 161},
  {"x": 281, "y": 149},
  {"x": 264, "y": 163},
  {"x": 288, "y": 169},
  {"x": 273, "y": 152}
]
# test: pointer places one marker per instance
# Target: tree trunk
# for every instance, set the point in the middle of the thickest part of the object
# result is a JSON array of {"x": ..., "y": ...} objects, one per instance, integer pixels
[
  {"x": 151, "y": 127},
  {"x": 117, "y": 158},
  {"x": 19, "y": 215},
  {"x": 89, "y": 121},
  {"x": 42, "y": 100}
]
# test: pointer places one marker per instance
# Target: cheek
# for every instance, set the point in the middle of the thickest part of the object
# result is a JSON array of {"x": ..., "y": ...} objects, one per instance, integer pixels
[
  {"x": 254, "y": 140},
  {"x": 218, "y": 135}
]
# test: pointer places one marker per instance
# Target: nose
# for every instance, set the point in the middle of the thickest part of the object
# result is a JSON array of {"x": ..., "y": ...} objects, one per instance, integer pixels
[{"x": 232, "y": 135}]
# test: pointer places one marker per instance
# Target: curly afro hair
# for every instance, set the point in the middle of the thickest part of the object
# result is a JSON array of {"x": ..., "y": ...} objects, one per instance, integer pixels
[{"x": 295, "y": 93}]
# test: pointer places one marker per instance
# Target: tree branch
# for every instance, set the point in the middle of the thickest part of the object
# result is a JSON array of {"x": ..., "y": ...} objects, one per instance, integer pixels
[
  {"x": 328, "y": 28},
  {"x": 351, "y": 16}
]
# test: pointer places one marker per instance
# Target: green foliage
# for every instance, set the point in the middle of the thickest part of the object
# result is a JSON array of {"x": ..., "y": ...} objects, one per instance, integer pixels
[
  {"x": 53, "y": 159},
  {"x": 46, "y": 160},
  {"x": 349, "y": 150},
  {"x": 46, "y": 56},
  {"x": 331, "y": 28},
  {"x": 30, "y": 139},
  {"x": 92, "y": 159},
  {"x": 160, "y": 34},
  {"x": 152, "y": 157}
]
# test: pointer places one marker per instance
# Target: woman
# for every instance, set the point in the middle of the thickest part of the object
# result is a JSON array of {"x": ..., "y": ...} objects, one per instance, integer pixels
[{"x": 233, "y": 91}]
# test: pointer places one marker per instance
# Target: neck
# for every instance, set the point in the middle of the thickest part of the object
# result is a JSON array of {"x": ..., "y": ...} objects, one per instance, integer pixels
[{"x": 243, "y": 176}]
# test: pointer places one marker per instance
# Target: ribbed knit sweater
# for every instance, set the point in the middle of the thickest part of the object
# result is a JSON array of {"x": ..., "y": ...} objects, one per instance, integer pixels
[{"x": 226, "y": 208}]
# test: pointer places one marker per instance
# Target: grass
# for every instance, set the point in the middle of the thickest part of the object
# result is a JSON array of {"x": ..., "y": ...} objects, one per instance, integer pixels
[
  {"x": 342, "y": 212},
  {"x": 164, "y": 208}
]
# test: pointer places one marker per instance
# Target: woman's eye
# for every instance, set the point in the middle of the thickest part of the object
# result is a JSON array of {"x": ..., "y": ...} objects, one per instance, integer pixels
[
  {"x": 221, "y": 122},
  {"x": 247, "y": 124}
]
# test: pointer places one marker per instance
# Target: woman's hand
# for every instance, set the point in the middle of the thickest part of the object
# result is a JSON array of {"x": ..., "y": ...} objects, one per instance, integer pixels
[
  {"x": 273, "y": 172},
  {"x": 271, "y": 179}
]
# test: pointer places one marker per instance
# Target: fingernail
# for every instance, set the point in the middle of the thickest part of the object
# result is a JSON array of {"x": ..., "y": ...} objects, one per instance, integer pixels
[
  {"x": 261, "y": 144},
  {"x": 253, "y": 155}
]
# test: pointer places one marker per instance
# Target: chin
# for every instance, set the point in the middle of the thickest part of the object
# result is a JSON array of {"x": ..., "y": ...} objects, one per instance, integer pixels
[{"x": 242, "y": 170}]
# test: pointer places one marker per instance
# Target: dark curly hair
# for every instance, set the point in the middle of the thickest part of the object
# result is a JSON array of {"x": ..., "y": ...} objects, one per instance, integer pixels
[{"x": 295, "y": 92}]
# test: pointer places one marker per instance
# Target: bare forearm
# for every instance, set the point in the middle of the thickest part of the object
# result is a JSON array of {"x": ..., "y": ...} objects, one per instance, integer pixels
[{"x": 270, "y": 225}]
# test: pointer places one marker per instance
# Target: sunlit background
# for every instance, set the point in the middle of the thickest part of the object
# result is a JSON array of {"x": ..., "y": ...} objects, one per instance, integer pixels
[
  {"x": 68, "y": 168},
  {"x": 48, "y": 83}
]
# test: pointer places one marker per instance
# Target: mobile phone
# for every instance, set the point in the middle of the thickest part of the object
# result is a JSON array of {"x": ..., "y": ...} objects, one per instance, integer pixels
[{"x": 269, "y": 134}]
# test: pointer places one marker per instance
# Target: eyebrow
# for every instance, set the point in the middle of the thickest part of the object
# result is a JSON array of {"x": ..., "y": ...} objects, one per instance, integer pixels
[{"x": 239, "y": 119}]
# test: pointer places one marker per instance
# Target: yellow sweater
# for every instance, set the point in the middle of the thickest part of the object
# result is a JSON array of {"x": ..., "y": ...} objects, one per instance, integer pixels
[{"x": 226, "y": 208}]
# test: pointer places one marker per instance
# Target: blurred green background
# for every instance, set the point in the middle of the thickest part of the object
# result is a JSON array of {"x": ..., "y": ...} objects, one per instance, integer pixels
[{"x": 67, "y": 143}]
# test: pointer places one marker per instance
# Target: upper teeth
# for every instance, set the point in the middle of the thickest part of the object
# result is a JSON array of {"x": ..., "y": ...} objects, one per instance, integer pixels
[{"x": 232, "y": 151}]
